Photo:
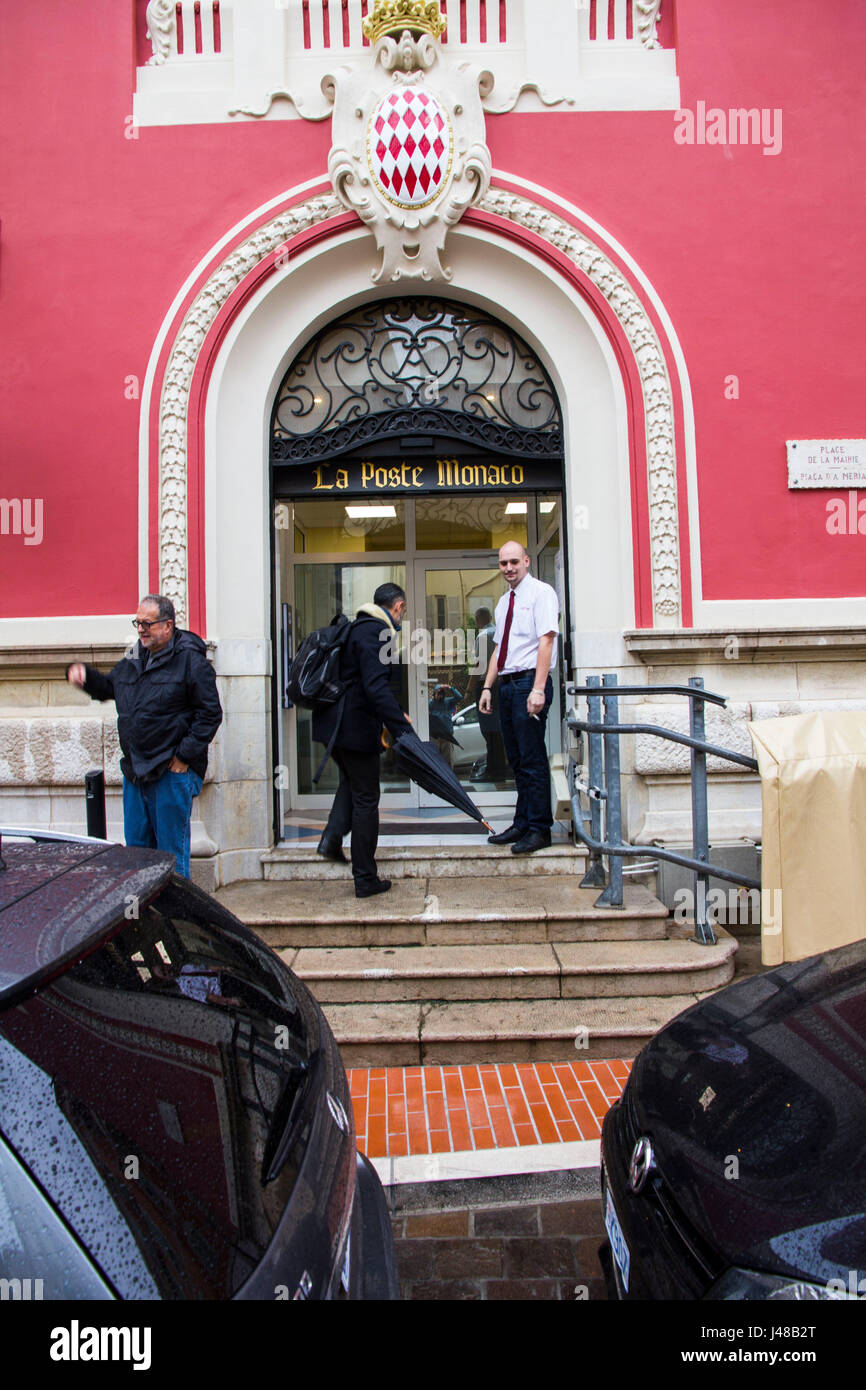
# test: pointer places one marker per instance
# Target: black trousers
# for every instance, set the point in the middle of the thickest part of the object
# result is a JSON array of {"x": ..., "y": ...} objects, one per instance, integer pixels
[
  {"x": 526, "y": 751},
  {"x": 356, "y": 808}
]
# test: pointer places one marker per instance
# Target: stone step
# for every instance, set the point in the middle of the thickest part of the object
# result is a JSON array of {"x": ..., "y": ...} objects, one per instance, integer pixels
[
  {"x": 475, "y": 859},
  {"x": 442, "y": 911},
  {"x": 564, "y": 970},
  {"x": 521, "y": 1030}
]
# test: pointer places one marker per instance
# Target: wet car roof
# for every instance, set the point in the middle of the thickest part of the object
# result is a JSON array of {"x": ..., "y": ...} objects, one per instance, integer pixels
[{"x": 60, "y": 900}]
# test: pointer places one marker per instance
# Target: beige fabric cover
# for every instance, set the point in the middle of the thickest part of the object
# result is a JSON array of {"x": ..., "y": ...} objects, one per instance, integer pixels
[{"x": 813, "y": 794}]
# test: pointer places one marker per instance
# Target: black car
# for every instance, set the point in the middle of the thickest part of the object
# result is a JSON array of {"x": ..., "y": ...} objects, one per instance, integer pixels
[
  {"x": 175, "y": 1120},
  {"x": 734, "y": 1165}
]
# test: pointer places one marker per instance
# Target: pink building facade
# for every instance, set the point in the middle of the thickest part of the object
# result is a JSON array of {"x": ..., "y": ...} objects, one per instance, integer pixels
[{"x": 655, "y": 210}]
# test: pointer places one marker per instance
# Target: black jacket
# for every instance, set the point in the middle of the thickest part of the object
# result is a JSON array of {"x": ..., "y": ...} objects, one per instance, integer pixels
[
  {"x": 171, "y": 707},
  {"x": 370, "y": 701}
]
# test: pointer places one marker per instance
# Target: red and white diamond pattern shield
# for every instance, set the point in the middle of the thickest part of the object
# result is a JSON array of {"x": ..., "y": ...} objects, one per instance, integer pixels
[{"x": 409, "y": 147}]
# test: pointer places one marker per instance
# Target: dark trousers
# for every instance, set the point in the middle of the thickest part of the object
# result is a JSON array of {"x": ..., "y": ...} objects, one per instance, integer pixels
[
  {"x": 526, "y": 752},
  {"x": 496, "y": 760},
  {"x": 356, "y": 808}
]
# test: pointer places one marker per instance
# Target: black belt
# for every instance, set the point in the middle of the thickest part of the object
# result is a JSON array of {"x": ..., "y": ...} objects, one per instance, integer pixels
[{"x": 516, "y": 675}]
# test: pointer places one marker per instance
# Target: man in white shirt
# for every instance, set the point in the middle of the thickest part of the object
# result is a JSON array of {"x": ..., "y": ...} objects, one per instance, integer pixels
[{"x": 527, "y": 622}]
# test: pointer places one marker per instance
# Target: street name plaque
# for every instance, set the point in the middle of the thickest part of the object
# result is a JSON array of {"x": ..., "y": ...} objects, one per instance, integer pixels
[{"x": 826, "y": 463}]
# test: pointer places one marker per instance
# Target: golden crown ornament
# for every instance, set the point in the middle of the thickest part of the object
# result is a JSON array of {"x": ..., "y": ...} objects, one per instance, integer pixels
[{"x": 393, "y": 16}]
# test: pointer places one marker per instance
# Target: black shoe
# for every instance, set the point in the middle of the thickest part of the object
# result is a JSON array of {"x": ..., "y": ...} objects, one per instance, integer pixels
[
  {"x": 368, "y": 890},
  {"x": 533, "y": 840},
  {"x": 507, "y": 837},
  {"x": 331, "y": 849}
]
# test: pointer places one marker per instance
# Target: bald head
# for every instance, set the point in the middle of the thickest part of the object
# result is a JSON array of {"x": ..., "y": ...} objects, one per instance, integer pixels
[{"x": 513, "y": 563}]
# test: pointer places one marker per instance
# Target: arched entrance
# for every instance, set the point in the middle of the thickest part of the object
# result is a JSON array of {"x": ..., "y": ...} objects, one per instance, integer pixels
[
  {"x": 409, "y": 440},
  {"x": 238, "y": 323}
]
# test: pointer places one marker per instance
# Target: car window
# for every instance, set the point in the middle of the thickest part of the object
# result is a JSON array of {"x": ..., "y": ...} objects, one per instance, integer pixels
[
  {"x": 157, "y": 1069},
  {"x": 61, "y": 1163},
  {"x": 39, "y": 1259}
]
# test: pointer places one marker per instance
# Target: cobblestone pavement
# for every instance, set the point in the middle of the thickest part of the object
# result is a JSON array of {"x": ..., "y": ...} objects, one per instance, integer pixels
[{"x": 531, "y": 1251}]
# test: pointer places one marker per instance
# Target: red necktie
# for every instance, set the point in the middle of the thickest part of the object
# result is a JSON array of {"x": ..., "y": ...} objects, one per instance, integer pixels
[{"x": 503, "y": 650}]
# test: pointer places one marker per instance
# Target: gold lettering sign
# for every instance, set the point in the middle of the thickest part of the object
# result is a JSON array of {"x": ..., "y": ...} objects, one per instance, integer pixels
[
  {"x": 447, "y": 473},
  {"x": 341, "y": 479},
  {"x": 451, "y": 473}
]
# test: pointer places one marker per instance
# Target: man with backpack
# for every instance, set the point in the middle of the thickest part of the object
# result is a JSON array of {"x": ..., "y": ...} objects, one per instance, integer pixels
[{"x": 353, "y": 726}]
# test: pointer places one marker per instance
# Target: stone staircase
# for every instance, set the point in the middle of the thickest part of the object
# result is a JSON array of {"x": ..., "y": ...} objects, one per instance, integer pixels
[{"x": 477, "y": 956}]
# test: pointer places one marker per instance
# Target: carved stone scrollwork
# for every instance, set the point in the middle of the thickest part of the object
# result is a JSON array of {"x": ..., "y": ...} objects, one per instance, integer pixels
[
  {"x": 409, "y": 154},
  {"x": 406, "y": 54},
  {"x": 160, "y": 30},
  {"x": 647, "y": 13}
]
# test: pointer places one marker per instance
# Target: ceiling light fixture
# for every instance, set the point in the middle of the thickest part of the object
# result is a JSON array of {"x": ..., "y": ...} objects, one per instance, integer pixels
[{"x": 362, "y": 513}]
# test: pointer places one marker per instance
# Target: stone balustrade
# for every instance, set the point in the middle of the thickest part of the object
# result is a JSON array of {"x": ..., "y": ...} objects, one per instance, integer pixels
[{"x": 220, "y": 60}]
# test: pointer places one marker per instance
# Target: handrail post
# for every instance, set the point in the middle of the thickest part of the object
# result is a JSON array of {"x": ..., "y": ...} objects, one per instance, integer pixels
[
  {"x": 612, "y": 895},
  {"x": 594, "y": 876},
  {"x": 700, "y": 816}
]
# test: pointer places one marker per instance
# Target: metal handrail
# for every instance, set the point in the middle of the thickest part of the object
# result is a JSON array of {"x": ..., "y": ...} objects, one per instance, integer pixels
[{"x": 604, "y": 786}]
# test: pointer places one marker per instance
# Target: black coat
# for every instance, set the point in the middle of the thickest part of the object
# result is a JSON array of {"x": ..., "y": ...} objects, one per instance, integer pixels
[
  {"x": 370, "y": 701},
  {"x": 170, "y": 708}
]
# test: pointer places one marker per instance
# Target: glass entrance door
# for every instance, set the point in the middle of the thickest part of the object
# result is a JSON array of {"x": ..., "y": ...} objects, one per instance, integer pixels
[
  {"x": 451, "y": 651},
  {"x": 331, "y": 557}
]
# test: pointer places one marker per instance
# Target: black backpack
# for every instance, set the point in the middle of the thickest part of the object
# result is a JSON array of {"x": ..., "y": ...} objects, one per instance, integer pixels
[{"x": 314, "y": 677}]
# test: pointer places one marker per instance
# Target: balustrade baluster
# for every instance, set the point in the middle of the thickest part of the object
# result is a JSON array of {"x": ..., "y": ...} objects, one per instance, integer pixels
[{"x": 471, "y": 21}]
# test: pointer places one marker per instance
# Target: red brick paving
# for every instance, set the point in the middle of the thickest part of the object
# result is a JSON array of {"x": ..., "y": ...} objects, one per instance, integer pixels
[{"x": 420, "y": 1110}]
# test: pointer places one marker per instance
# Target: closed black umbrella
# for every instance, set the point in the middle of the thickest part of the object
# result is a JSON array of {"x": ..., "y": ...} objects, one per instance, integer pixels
[{"x": 425, "y": 765}]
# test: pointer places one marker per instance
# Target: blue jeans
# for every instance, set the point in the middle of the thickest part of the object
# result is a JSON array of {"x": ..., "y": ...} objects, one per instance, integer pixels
[
  {"x": 156, "y": 815},
  {"x": 525, "y": 750}
]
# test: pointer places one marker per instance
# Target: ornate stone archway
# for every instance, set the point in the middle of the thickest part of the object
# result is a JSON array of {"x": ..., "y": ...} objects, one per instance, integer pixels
[{"x": 269, "y": 249}]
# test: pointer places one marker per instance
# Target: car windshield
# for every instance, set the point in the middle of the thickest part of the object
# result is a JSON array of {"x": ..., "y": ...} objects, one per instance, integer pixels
[{"x": 140, "y": 1088}]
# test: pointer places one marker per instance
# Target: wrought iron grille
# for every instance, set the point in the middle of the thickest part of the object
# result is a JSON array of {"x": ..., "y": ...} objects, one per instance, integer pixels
[{"x": 410, "y": 367}]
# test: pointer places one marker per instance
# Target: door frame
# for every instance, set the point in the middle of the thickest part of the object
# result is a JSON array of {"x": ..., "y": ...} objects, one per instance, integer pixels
[{"x": 288, "y": 801}]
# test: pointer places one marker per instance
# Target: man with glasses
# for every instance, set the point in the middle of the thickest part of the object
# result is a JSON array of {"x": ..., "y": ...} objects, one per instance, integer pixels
[{"x": 168, "y": 710}]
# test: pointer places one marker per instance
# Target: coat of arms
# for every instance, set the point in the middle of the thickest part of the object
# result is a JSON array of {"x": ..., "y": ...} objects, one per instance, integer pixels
[{"x": 409, "y": 152}]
